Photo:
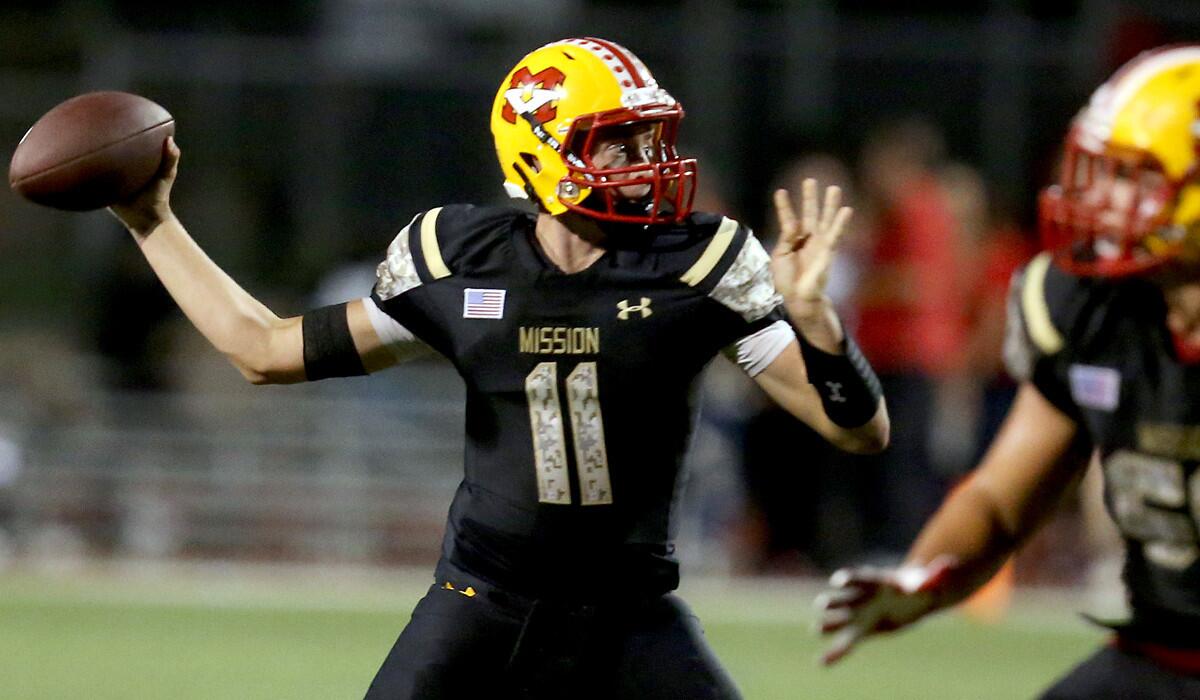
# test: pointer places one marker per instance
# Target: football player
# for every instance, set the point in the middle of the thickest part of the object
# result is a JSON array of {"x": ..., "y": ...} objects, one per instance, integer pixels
[
  {"x": 580, "y": 332},
  {"x": 1104, "y": 335}
]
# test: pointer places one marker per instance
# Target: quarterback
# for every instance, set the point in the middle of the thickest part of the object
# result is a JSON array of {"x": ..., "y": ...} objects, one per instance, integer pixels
[
  {"x": 1105, "y": 337},
  {"x": 580, "y": 330}
]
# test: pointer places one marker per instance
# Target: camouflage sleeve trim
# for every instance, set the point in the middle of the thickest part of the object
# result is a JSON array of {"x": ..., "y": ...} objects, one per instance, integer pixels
[
  {"x": 712, "y": 254},
  {"x": 747, "y": 287},
  {"x": 397, "y": 273},
  {"x": 1036, "y": 310}
]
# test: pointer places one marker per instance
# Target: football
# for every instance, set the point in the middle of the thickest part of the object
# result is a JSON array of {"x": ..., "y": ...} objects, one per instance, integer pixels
[{"x": 91, "y": 151}]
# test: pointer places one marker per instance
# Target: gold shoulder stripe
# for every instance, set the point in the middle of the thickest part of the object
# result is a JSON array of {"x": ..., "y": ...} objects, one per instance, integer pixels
[
  {"x": 712, "y": 254},
  {"x": 1035, "y": 309},
  {"x": 429, "y": 245}
]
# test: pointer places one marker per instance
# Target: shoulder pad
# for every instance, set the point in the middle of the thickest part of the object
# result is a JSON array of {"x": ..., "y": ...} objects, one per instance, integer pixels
[
  {"x": 736, "y": 270},
  {"x": 438, "y": 242},
  {"x": 466, "y": 235},
  {"x": 1046, "y": 307},
  {"x": 716, "y": 243}
]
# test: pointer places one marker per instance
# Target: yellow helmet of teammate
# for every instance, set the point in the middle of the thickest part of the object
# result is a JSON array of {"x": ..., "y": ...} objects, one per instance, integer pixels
[
  {"x": 1128, "y": 196},
  {"x": 555, "y": 104}
]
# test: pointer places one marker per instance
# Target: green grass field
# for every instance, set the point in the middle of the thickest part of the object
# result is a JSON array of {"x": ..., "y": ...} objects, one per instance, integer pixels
[{"x": 211, "y": 632}]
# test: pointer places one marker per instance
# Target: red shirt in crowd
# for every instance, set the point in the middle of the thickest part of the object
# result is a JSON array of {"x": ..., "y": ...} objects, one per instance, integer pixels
[{"x": 911, "y": 305}]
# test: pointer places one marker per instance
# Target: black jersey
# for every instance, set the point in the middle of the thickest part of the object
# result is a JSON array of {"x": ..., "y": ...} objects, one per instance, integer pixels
[
  {"x": 1100, "y": 351},
  {"x": 581, "y": 387}
]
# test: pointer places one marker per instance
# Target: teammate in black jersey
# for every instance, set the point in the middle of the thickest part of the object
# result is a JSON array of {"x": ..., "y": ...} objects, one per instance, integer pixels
[
  {"x": 1105, "y": 337},
  {"x": 580, "y": 332}
]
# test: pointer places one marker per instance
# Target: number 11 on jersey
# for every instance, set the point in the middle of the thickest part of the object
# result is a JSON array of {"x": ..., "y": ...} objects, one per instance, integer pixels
[{"x": 549, "y": 438}]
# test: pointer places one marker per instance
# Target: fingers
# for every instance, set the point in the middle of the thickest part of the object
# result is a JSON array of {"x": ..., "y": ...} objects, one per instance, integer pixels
[
  {"x": 842, "y": 644},
  {"x": 828, "y": 220},
  {"x": 838, "y": 227},
  {"x": 170, "y": 160},
  {"x": 809, "y": 209},
  {"x": 859, "y": 576},
  {"x": 834, "y": 619},
  {"x": 847, "y": 601},
  {"x": 844, "y": 597},
  {"x": 851, "y": 614},
  {"x": 817, "y": 232},
  {"x": 833, "y": 198}
]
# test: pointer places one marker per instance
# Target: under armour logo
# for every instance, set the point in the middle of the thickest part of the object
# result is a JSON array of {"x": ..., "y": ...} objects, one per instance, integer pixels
[
  {"x": 625, "y": 309},
  {"x": 835, "y": 392}
]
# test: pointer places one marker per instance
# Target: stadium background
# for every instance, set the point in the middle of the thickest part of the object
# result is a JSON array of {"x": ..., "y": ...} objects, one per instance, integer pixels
[{"x": 167, "y": 531}]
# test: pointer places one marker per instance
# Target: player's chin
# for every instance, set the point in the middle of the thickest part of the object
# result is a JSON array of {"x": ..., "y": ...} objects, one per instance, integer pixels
[{"x": 634, "y": 193}]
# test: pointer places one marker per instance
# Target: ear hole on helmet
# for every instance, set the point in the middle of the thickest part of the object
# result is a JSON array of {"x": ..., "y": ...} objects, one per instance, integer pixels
[
  {"x": 530, "y": 193},
  {"x": 532, "y": 162}
]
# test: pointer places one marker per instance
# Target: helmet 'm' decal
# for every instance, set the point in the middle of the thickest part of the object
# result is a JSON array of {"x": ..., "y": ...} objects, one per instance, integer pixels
[{"x": 534, "y": 94}]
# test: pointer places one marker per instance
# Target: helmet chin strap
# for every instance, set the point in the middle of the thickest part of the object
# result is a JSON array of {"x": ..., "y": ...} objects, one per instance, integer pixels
[{"x": 642, "y": 206}]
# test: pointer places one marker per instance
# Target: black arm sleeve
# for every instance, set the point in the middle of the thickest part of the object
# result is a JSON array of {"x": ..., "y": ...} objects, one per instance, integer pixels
[
  {"x": 848, "y": 387},
  {"x": 328, "y": 346}
]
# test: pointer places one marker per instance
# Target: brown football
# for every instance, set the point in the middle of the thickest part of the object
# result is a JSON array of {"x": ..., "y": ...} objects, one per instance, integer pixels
[{"x": 91, "y": 151}]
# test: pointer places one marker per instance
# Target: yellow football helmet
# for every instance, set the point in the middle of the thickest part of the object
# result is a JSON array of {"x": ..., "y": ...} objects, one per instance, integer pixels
[
  {"x": 1128, "y": 196},
  {"x": 551, "y": 109}
]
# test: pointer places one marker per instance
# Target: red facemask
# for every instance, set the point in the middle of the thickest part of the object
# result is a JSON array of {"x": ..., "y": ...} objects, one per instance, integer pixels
[
  {"x": 1109, "y": 214},
  {"x": 672, "y": 179}
]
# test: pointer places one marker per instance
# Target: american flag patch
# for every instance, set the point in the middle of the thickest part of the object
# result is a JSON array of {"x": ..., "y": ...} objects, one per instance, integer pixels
[
  {"x": 1095, "y": 387},
  {"x": 483, "y": 303}
]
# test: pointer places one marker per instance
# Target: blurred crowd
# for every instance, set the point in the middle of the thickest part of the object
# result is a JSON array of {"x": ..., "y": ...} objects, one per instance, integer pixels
[{"x": 922, "y": 282}]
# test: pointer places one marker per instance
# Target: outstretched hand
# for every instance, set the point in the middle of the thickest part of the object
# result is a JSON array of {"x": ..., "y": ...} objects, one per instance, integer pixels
[
  {"x": 802, "y": 256},
  {"x": 801, "y": 259},
  {"x": 152, "y": 204},
  {"x": 866, "y": 600}
]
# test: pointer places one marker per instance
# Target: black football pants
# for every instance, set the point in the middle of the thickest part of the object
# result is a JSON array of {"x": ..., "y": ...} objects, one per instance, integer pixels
[
  {"x": 1114, "y": 674},
  {"x": 471, "y": 641}
]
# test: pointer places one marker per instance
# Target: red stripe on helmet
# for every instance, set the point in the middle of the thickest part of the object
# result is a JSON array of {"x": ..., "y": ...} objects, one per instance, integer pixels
[{"x": 622, "y": 56}]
